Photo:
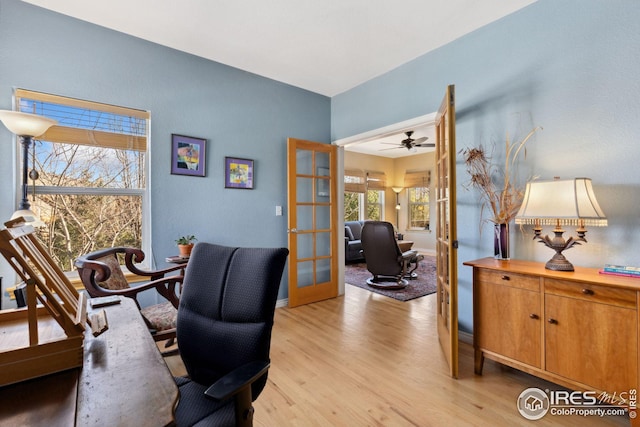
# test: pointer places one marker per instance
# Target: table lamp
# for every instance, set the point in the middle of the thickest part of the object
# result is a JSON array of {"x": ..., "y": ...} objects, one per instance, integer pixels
[
  {"x": 26, "y": 126},
  {"x": 560, "y": 202}
]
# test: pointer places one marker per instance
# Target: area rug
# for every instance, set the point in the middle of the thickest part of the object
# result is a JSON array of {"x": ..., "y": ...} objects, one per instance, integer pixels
[{"x": 424, "y": 284}]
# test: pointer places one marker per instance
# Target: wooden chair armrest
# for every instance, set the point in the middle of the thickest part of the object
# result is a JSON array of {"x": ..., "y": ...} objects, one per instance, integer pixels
[
  {"x": 135, "y": 256},
  {"x": 84, "y": 266}
]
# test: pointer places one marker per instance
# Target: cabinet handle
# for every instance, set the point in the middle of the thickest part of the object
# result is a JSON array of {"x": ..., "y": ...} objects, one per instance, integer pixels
[
  {"x": 553, "y": 321},
  {"x": 534, "y": 316},
  {"x": 506, "y": 278},
  {"x": 587, "y": 291}
]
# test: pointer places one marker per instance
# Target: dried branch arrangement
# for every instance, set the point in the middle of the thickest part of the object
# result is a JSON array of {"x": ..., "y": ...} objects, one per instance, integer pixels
[{"x": 504, "y": 196}]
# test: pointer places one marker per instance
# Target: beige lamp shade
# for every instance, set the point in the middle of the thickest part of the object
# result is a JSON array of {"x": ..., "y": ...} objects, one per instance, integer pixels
[
  {"x": 29, "y": 217},
  {"x": 564, "y": 202},
  {"x": 25, "y": 124}
]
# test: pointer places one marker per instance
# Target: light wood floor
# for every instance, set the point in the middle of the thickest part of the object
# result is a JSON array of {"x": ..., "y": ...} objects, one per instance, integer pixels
[{"x": 368, "y": 360}]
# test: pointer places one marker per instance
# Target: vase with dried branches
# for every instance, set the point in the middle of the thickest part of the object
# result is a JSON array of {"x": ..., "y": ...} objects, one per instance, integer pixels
[{"x": 500, "y": 190}]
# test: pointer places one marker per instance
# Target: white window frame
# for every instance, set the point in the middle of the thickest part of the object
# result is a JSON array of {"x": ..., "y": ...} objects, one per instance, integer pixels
[
  {"x": 78, "y": 136},
  {"x": 410, "y": 205}
]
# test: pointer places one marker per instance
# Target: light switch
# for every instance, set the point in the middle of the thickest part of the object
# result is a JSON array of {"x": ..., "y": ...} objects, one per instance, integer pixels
[{"x": 278, "y": 210}]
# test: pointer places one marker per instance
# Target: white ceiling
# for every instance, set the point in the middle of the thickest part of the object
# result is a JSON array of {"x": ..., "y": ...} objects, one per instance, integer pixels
[{"x": 324, "y": 46}]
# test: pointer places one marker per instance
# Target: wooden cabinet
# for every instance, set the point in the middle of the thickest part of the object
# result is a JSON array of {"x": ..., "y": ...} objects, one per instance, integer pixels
[
  {"x": 591, "y": 342},
  {"x": 510, "y": 316},
  {"x": 578, "y": 329}
]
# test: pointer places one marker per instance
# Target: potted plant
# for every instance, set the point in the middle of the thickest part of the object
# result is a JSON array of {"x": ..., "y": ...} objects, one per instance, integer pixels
[
  {"x": 500, "y": 192},
  {"x": 185, "y": 244}
]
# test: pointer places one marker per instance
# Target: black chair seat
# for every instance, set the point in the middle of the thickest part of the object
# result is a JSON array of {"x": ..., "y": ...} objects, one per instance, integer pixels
[{"x": 194, "y": 410}]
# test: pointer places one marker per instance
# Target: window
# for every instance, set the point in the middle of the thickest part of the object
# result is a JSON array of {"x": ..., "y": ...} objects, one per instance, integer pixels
[
  {"x": 354, "y": 187},
  {"x": 91, "y": 188},
  {"x": 417, "y": 184},
  {"x": 375, "y": 205},
  {"x": 418, "y": 208},
  {"x": 357, "y": 184},
  {"x": 376, "y": 182}
]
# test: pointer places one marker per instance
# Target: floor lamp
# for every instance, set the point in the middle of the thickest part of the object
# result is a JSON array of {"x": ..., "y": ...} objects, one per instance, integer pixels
[
  {"x": 397, "y": 190},
  {"x": 26, "y": 126}
]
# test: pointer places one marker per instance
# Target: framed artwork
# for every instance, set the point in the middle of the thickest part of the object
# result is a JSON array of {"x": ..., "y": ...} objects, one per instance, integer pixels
[
  {"x": 238, "y": 173},
  {"x": 188, "y": 155}
]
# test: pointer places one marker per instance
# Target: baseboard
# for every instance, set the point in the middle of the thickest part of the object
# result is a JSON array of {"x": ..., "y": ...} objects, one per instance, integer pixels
[
  {"x": 465, "y": 337},
  {"x": 282, "y": 303}
]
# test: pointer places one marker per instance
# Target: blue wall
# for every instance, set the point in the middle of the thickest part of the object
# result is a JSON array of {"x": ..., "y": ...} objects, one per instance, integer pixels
[
  {"x": 570, "y": 66},
  {"x": 241, "y": 114}
]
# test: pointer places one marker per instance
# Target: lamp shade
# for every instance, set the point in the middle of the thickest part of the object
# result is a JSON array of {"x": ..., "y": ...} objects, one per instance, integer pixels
[
  {"x": 564, "y": 202},
  {"x": 397, "y": 190},
  {"x": 29, "y": 216},
  {"x": 25, "y": 124}
]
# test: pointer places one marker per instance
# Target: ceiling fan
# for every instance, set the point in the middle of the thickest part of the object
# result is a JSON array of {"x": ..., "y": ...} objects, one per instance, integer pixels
[{"x": 410, "y": 143}]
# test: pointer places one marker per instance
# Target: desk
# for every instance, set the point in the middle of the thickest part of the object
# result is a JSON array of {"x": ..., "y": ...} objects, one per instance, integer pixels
[{"x": 124, "y": 382}]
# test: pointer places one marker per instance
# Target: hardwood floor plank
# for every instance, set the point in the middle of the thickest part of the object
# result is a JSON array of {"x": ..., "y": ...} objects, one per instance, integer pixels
[{"x": 367, "y": 360}]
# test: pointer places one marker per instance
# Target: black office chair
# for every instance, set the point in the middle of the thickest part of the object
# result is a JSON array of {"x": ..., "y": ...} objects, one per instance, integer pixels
[
  {"x": 388, "y": 264},
  {"x": 224, "y": 327}
]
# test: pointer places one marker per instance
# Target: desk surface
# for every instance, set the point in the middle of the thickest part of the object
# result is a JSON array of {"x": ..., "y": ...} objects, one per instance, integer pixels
[{"x": 124, "y": 382}]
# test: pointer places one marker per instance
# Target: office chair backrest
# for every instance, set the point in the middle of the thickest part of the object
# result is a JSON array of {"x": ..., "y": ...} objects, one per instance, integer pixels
[
  {"x": 226, "y": 309},
  {"x": 381, "y": 251}
]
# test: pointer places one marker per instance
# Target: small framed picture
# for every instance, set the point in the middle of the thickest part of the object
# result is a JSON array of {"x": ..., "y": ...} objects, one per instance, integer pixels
[
  {"x": 188, "y": 155},
  {"x": 238, "y": 173}
]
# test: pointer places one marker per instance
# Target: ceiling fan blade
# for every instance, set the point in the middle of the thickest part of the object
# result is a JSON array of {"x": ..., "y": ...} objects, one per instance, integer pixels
[
  {"x": 425, "y": 145},
  {"x": 392, "y": 148},
  {"x": 419, "y": 140}
]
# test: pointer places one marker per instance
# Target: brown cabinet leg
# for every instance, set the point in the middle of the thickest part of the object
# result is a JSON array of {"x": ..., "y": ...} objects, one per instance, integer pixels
[{"x": 478, "y": 361}]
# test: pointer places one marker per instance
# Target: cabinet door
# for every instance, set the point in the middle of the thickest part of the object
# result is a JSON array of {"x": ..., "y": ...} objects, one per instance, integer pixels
[
  {"x": 508, "y": 322},
  {"x": 592, "y": 343}
]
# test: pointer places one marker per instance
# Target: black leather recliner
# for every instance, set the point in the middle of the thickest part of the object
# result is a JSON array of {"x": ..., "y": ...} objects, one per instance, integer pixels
[
  {"x": 225, "y": 318},
  {"x": 388, "y": 264}
]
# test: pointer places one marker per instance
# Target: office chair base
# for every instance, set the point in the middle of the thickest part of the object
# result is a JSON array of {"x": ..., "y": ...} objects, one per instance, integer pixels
[{"x": 387, "y": 282}]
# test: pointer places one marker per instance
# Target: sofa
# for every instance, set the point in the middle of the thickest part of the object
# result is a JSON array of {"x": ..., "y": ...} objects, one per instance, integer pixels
[{"x": 352, "y": 244}]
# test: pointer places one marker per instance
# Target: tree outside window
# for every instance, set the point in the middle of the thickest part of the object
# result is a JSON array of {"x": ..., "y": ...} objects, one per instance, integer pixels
[
  {"x": 351, "y": 206},
  {"x": 375, "y": 205}
]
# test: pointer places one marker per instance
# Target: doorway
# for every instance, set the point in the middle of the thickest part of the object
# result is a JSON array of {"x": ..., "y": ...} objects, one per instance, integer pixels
[{"x": 385, "y": 144}]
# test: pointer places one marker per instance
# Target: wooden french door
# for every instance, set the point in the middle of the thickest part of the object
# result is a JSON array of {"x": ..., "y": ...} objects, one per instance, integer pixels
[
  {"x": 446, "y": 233},
  {"x": 312, "y": 219}
]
